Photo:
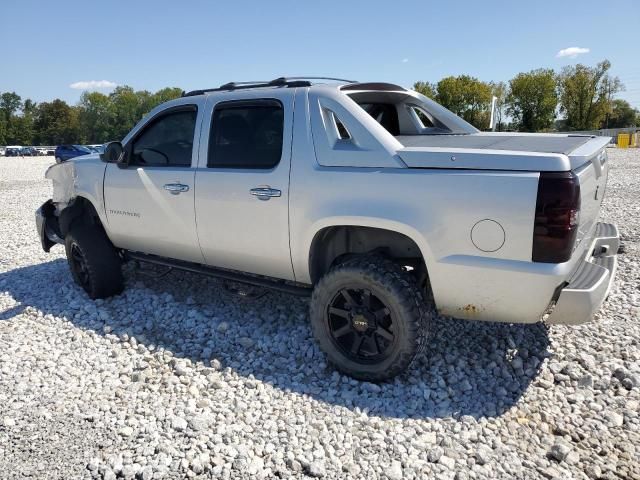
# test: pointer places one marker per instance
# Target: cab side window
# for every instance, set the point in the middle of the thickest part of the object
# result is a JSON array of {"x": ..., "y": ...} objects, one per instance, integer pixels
[
  {"x": 246, "y": 134},
  {"x": 167, "y": 140}
]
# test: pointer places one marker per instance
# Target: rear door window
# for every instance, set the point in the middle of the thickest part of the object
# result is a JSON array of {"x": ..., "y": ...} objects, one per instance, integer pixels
[{"x": 246, "y": 134}]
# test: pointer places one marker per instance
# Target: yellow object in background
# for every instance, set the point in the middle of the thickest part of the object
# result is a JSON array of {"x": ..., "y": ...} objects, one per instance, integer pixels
[{"x": 623, "y": 140}]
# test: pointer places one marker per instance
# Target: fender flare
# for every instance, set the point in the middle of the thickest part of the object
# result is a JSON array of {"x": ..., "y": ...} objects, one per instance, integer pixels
[
  {"x": 77, "y": 207},
  {"x": 370, "y": 222}
]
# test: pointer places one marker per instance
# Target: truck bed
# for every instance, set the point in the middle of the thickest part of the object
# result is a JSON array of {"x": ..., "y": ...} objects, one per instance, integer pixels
[{"x": 563, "y": 144}]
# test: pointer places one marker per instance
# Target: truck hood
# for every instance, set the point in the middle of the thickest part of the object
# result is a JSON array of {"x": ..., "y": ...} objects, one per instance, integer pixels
[{"x": 500, "y": 151}]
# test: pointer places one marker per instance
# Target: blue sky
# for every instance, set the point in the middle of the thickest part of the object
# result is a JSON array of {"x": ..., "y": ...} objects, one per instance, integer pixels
[{"x": 46, "y": 46}]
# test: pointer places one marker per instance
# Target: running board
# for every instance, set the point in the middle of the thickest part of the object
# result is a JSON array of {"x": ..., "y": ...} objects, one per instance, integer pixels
[{"x": 231, "y": 275}]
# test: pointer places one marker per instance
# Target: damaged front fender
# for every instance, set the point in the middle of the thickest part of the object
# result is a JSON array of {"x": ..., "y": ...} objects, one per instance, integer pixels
[
  {"x": 47, "y": 226},
  {"x": 76, "y": 184},
  {"x": 63, "y": 176}
]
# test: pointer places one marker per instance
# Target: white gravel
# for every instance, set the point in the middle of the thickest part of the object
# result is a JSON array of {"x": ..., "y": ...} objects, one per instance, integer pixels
[{"x": 177, "y": 377}]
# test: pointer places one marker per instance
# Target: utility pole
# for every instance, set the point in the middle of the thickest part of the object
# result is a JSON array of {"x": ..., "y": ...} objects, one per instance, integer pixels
[{"x": 492, "y": 121}]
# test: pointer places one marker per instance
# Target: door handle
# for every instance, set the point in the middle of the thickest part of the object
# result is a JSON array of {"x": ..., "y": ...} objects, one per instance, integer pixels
[
  {"x": 176, "y": 188},
  {"x": 265, "y": 193}
]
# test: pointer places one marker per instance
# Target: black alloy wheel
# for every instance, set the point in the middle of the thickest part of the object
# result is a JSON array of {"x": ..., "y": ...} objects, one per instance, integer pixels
[
  {"x": 79, "y": 266},
  {"x": 361, "y": 325}
]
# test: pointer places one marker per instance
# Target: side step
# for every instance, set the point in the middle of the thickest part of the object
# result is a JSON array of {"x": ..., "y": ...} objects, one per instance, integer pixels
[{"x": 231, "y": 275}]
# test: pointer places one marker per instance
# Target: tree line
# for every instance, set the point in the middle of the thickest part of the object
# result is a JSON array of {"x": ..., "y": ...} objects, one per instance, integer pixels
[
  {"x": 97, "y": 118},
  {"x": 577, "y": 98}
]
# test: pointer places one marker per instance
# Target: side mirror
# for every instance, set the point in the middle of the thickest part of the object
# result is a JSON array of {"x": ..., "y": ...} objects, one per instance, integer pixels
[{"x": 114, "y": 153}]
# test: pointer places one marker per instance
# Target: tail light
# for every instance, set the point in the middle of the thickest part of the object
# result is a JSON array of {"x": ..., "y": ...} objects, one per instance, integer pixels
[{"x": 557, "y": 217}]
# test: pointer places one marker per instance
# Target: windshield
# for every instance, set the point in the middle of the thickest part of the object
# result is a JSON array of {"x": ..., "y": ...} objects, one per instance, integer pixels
[{"x": 82, "y": 149}]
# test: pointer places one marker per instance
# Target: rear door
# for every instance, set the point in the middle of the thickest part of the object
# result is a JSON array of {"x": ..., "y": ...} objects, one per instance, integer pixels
[
  {"x": 242, "y": 182},
  {"x": 150, "y": 204}
]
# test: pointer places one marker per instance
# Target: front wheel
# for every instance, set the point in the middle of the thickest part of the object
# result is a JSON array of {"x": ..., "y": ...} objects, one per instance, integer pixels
[
  {"x": 369, "y": 317},
  {"x": 93, "y": 261}
]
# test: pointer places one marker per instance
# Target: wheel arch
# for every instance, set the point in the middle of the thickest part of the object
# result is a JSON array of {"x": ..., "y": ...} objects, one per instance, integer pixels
[
  {"x": 80, "y": 211},
  {"x": 333, "y": 242}
]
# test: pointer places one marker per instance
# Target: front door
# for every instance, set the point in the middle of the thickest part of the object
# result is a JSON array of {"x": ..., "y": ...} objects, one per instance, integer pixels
[
  {"x": 242, "y": 182},
  {"x": 150, "y": 204}
]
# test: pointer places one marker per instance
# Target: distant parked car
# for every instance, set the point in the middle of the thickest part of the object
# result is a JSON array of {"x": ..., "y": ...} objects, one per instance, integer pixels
[
  {"x": 42, "y": 151},
  {"x": 65, "y": 152},
  {"x": 96, "y": 148},
  {"x": 30, "y": 152},
  {"x": 13, "y": 151}
]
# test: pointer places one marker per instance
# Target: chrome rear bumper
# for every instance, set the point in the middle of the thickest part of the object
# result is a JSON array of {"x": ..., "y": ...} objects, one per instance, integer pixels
[{"x": 591, "y": 282}]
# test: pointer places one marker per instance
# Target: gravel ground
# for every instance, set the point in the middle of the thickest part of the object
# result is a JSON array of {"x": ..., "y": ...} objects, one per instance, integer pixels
[{"x": 178, "y": 378}]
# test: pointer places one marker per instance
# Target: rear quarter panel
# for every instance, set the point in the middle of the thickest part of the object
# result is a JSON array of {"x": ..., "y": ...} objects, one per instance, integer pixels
[{"x": 437, "y": 209}]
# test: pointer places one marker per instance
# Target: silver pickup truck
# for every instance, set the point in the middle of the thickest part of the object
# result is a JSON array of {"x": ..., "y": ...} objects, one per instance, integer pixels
[{"x": 372, "y": 199}]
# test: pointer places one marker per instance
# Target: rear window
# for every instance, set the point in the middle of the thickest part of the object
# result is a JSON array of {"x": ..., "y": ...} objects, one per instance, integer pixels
[{"x": 386, "y": 114}]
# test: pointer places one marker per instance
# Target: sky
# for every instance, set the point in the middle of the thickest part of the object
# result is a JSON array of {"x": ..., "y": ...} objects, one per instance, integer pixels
[{"x": 57, "y": 49}]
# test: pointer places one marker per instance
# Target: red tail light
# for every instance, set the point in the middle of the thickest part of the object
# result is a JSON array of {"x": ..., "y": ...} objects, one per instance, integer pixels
[{"x": 557, "y": 217}]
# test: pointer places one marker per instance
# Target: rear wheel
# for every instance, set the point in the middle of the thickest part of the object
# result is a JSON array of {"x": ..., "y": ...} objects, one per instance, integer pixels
[
  {"x": 94, "y": 262},
  {"x": 369, "y": 317}
]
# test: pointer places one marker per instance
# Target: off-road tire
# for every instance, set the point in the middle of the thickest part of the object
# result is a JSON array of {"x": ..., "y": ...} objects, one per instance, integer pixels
[
  {"x": 400, "y": 294},
  {"x": 102, "y": 275}
]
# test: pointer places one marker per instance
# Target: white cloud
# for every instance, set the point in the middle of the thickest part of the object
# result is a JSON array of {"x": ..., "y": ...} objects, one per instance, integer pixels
[
  {"x": 572, "y": 52},
  {"x": 405, "y": 60},
  {"x": 93, "y": 84}
]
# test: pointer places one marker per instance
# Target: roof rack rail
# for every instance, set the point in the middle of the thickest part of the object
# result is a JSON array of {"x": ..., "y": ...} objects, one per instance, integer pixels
[
  {"x": 317, "y": 78},
  {"x": 290, "y": 82}
]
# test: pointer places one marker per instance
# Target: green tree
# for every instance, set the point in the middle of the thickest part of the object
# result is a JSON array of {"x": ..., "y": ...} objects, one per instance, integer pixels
[
  {"x": 586, "y": 94},
  {"x": 94, "y": 117},
  {"x": 127, "y": 107},
  {"x": 532, "y": 100},
  {"x": 25, "y": 125},
  {"x": 148, "y": 101},
  {"x": 29, "y": 107},
  {"x": 10, "y": 104},
  {"x": 56, "y": 123},
  {"x": 103, "y": 118},
  {"x": 622, "y": 115},
  {"x": 124, "y": 111},
  {"x": 145, "y": 102},
  {"x": 166, "y": 94},
  {"x": 425, "y": 88},
  {"x": 467, "y": 97},
  {"x": 20, "y": 131}
]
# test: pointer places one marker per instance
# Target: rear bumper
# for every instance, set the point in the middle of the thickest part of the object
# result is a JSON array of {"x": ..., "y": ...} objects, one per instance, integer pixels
[
  {"x": 47, "y": 225},
  {"x": 589, "y": 285}
]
